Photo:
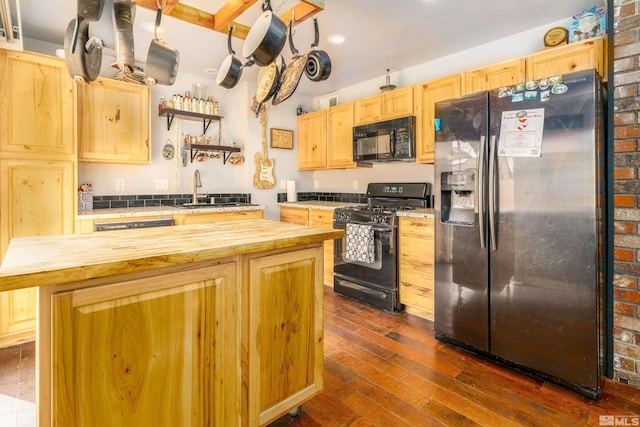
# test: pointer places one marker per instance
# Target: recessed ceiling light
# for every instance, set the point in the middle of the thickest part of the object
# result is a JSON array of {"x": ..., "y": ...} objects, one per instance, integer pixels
[
  {"x": 336, "y": 38},
  {"x": 212, "y": 71}
]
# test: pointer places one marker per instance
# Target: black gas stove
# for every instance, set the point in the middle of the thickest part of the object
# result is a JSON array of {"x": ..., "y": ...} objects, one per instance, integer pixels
[{"x": 366, "y": 260}]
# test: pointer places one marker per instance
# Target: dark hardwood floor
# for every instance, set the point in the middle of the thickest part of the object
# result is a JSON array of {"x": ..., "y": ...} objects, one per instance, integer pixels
[{"x": 388, "y": 370}]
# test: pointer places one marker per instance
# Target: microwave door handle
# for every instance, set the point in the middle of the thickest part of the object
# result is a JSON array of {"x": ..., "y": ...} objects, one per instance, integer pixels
[{"x": 392, "y": 143}]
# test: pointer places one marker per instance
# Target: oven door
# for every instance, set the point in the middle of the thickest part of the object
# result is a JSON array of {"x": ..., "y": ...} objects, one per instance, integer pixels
[{"x": 380, "y": 273}]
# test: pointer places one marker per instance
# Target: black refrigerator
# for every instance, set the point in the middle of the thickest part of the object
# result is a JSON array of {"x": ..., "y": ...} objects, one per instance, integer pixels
[{"x": 520, "y": 231}]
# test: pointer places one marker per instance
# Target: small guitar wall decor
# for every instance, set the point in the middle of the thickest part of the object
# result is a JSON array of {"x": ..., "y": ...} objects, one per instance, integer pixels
[{"x": 264, "y": 177}]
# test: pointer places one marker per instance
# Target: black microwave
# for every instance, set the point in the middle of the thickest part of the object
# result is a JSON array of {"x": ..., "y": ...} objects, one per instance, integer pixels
[{"x": 390, "y": 140}]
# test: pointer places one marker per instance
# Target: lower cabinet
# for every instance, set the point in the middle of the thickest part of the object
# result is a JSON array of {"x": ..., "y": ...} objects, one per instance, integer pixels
[
  {"x": 416, "y": 265},
  {"x": 283, "y": 318},
  {"x": 123, "y": 352},
  {"x": 319, "y": 218},
  {"x": 201, "y": 218}
]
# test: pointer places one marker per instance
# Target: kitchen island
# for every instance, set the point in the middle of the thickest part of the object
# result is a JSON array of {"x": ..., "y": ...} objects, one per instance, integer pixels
[{"x": 195, "y": 325}]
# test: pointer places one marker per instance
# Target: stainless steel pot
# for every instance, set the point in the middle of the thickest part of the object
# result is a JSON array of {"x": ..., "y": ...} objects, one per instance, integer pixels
[
  {"x": 123, "y": 17},
  {"x": 89, "y": 11},
  {"x": 266, "y": 37},
  {"x": 162, "y": 59}
]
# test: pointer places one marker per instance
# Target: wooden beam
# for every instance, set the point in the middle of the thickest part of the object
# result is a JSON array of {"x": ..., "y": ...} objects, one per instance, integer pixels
[{"x": 223, "y": 19}]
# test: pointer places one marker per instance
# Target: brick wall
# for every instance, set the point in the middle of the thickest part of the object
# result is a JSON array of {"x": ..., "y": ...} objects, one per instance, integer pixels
[{"x": 626, "y": 158}]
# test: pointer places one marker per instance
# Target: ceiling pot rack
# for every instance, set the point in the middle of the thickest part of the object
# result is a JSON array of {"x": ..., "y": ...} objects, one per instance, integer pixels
[{"x": 223, "y": 19}]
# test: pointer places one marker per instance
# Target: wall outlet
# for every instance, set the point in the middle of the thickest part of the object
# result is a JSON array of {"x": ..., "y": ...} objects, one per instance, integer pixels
[
  {"x": 283, "y": 184},
  {"x": 119, "y": 184},
  {"x": 316, "y": 184},
  {"x": 355, "y": 184},
  {"x": 162, "y": 184}
]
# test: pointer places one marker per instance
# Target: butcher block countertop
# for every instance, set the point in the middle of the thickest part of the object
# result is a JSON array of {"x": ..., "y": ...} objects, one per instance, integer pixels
[{"x": 48, "y": 260}]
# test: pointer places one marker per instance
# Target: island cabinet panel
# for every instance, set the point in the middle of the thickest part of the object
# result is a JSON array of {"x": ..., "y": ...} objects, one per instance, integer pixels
[
  {"x": 323, "y": 218},
  {"x": 416, "y": 265},
  {"x": 285, "y": 337},
  {"x": 36, "y": 104},
  {"x": 153, "y": 351},
  {"x": 113, "y": 122}
]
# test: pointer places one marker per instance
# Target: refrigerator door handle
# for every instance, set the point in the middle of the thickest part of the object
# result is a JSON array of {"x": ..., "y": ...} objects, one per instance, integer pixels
[
  {"x": 481, "y": 184},
  {"x": 492, "y": 193}
]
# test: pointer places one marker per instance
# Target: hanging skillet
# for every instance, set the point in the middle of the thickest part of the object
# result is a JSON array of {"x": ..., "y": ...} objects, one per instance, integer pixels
[
  {"x": 231, "y": 69},
  {"x": 266, "y": 37},
  {"x": 162, "y": 59},
  {"x": 291, "y": 76},
  {"x": 318, "y": 65},
  {"x": 269, "y": 81},
  {"x": 89, "y": 11},
  {"x": 86, "y": 60}
]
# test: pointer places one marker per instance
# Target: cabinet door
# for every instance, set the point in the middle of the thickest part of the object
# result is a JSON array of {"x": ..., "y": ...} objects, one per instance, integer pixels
[
  {"x": 495, "y": 76},
  {"x": 292, "y": 215},
  {"x": 323, "y": 218},
  {"x": 37, "y": 105},
  {"x": 585, "y": 55},
  {"x": 368, "y": 110},
  {"x": 148, "y": 352},
  {"x": 284, "y": 323},
  {"x": 397, "y": 103},
  {"x": 113, "y": 119},
  {"x": 312, "y": 140},
  {"x": 17, "y": 316},
  {"x": 416, "y": 264},
  {"x": 202, "y": 218},
  {"x": 425, "y": 96},
  {"x": 340, "y": 136}
]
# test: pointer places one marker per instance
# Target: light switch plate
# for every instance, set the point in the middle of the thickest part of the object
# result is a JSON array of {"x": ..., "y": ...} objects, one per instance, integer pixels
[
  {"x": 119, "y": 184},
  {"x": 162, "y": 184}
]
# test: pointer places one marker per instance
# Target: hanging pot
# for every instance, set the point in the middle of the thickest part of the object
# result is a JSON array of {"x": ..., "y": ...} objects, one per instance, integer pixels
[
  {"x": 266, "y": 37},
  {"x": 318, "y": 65},
  {"x": 86, "y": 60},
  {"x": 291, "y": 76},
  {"x": 162, "y": 59},
  {"x": 123, "y": 17},
  {"x": 88, "y": 10},
  {"x": 231, "y": 69}
]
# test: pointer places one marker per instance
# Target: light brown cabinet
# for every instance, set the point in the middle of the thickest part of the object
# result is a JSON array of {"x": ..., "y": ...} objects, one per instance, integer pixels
[
  {"x": 293, "y": 215},
  {"x": 284, "y": 361},
  {"x": 312, "y": 140},
  {"x": 385, "y": 106},
  {"x": 323, "y": 218},
  {"x": 416, "y": 265},
  {"x": 209, "y": 217},
  {"x": 425, "y": 96},
  {"x": 325, "y": 138},
  {"x": 494, "y": 76},
  {"x": 584, "y": 55},
  {"x": 171, "y": 338},
  {"x": 37, "y": 168},
  {"x": 113, "y": 122}
]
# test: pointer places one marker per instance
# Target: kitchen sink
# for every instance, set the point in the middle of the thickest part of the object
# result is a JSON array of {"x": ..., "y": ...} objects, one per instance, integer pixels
[{"x": 214, "y": 205}]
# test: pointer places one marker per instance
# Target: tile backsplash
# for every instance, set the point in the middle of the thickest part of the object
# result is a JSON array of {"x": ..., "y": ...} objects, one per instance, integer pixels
[{"x": 136, "y": 201}]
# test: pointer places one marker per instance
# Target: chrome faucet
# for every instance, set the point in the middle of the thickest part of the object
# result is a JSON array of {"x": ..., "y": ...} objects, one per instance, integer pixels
[{"x": 196, "y": 184}]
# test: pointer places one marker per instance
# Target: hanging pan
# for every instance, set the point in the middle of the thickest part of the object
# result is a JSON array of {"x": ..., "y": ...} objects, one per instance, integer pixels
[
  {"x": 123, "y": 17},
  {"x": 89, "y": 11},
  {"x": 231, "y": 69},
  {"x": 269, "y": 80},
  {"x": 291, "y": 76},
  {"x": 266, "y": 37},
  {"x": 318, "y": 65},
  {"x": 86, "y": 60},
  {"x": 162, "y": 59}
]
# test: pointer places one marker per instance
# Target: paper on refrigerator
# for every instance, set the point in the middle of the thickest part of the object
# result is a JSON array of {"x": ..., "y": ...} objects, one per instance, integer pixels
[{"x": 521, "y": 133}]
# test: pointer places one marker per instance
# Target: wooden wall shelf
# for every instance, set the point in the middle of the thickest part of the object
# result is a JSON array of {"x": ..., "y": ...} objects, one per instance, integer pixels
[{"x": 171, "y": 113}]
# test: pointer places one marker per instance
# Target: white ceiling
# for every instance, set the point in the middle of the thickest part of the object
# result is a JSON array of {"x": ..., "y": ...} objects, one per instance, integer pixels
[{"x": 379, "y": 34}]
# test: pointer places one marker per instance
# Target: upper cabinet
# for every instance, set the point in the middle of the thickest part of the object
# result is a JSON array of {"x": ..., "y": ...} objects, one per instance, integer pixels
[
  {"x": 36, "y": 104},
  {"x": 325, "y": 138},
  {"x": 494, "y": 76},
  {"x": 312, "y": 140},
  {"x": 113, "y": 122},
  {"x": 388, "y": 105},
  {"x": 569, "y": 58},
  {"x": 340, "y": 136},
  {"x": 425, "y": 97}
]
